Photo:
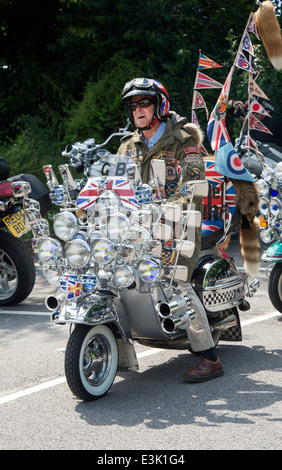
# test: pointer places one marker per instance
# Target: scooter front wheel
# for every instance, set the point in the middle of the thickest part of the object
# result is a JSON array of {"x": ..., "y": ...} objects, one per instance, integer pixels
[
  {"x": 91, "y": 361},
  {"x": 275, "y": 287}
]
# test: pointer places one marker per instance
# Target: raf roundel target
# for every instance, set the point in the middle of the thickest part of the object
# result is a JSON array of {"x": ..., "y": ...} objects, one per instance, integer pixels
[{"x": 234, "y": 163}]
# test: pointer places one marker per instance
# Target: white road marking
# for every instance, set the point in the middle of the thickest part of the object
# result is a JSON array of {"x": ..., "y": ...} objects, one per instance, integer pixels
[
  {"x": 53, "y": 383},
  {"x": 24, "y": 312},
  {"x": 260, "y": 318}
]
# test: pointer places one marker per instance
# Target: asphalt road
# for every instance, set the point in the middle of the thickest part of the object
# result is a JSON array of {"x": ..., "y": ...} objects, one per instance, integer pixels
[{"x": 148, "y": 410}]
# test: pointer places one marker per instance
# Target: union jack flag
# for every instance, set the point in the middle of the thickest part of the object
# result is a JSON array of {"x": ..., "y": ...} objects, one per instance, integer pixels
[
  {"x": 195, "y": 120},
  {"x": 88, "y": 196},
  {"x": 208, "y": 228},
  {"x": 256, "y": 125},
  {"x": 94, "y": 187},
  {"x": 216, "y": 130},
  {"x": 122, "y": 187},
  {"x": 215, "y": 196},
  {"x": 212, "y": 176}
]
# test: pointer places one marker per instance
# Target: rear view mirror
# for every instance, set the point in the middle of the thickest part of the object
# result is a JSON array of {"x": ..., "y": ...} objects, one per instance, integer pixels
[
  {"x": 50, "y": 176},
  {"x": 133, "y": 172},
  {"x": 185, "y": 247},
  {"x": 20, "y": 188},
  {"x": 162, "y": 232},
  {"x": 158, "y": 170},
  {"x": 179, "y": 273},
  {"x": 201, "y": 187},
  {"x": 172, "y": 212},
  {"x": 67, "y": 176}
]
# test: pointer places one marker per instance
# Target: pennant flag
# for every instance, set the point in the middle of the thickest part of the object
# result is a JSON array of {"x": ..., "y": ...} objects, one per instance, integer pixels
[
  {"x": 254, "y": 89},
  {"x": 203, "y": 81},
  {"x": 242, "y": 62},
  {"x": 250, "y": 144},
  {"x": 206, "y": 63},
  {"x": 254, "y": 69},
  {"x": 228, "y": 163},
  {"x": 203, "y": 149},
  {"x": 255, "y": 107},
  {"x": 195, "y": 119},
  {"x": 256, "y": 125},
  {"x": 251, "y": 26},
  {"x": 247, "y": 44},
  {"x": 199, "y": 102},
  {"x": 216, "y": 130}
]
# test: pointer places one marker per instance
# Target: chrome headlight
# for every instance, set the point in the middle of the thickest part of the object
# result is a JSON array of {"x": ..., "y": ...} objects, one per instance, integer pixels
[
  {"x": 274, "y": 190},
  {"x": 123, "y": 277},
  {"x": 275, "y": 206},
  {"x": 49, "y": 250},
  {"x": 262, "y": 187},
  {"x": 150, "y": 270},
  {"x": 65, "y": 225},
  {"x": 267, "y": 174},
  {"x": 263, "y": 205},
  {"x": 78, "y": 252},
  {"x": 103, "y": 250},
  {"x": 108, "y": 201},
  {"x": 278, "y": 171},
  {"x": 267, "y": 235}
]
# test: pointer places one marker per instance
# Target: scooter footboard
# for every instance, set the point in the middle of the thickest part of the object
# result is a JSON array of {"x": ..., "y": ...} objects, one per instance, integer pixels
[{"x": 218, "y": 284}]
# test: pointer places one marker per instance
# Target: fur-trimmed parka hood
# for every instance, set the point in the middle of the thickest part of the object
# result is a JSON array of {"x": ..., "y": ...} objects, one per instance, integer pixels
[{"x": 188, "y": 129}]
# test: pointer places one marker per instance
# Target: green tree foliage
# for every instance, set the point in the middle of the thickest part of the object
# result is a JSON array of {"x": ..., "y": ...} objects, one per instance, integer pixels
[{"x": 63, "y": 64}]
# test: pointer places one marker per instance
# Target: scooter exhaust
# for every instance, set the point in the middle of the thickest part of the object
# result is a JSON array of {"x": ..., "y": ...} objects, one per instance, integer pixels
[
  {"x": 177, "y": 305},
  {"x": 52, "y": 302},
  {"x": 169, "y": 325},
  {"x": 224, "y": 324}
]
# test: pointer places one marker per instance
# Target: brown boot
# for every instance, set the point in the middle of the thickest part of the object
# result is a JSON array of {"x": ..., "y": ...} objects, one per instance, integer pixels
[{"x": 204, "y": 370}]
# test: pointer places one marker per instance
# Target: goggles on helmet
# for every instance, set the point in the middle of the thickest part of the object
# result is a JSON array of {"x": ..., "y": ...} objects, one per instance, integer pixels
[{"x": 138, "y": 83}]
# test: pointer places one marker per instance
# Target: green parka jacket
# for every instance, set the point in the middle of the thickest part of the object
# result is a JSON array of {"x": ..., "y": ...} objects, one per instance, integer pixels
[{"x": 179, "y": 148}]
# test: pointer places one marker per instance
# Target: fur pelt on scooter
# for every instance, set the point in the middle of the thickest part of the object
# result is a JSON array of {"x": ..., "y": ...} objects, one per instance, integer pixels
[
  {"x": 247, "y": 199},
  {"x": 269, "y": 32}
]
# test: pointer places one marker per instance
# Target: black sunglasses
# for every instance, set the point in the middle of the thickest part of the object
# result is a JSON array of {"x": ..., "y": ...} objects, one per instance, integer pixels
[{"x": 143, "y": 103}]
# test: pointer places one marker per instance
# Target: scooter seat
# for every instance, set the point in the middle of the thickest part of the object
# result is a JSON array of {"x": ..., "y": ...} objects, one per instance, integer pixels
[{"x": 212, "y": 231}]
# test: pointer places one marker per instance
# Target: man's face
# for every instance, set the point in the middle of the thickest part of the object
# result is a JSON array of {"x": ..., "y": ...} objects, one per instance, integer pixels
[{"x": 142, "y": 116}]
